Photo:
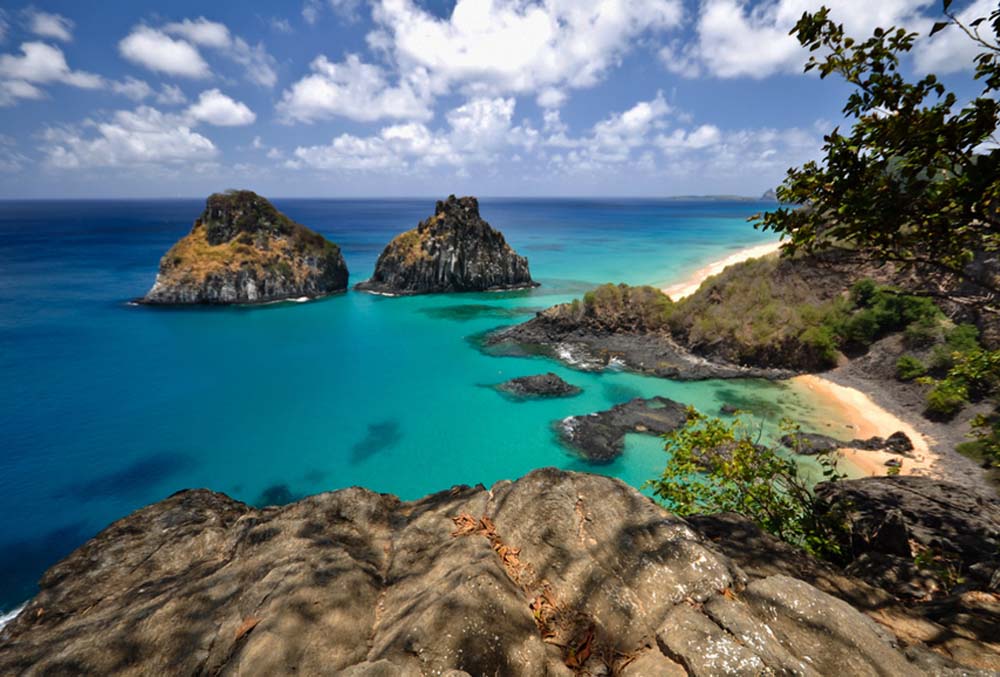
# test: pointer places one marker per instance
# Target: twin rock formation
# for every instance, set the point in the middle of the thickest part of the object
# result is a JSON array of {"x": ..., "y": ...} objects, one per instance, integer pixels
[{"x": 243, "y": 250}]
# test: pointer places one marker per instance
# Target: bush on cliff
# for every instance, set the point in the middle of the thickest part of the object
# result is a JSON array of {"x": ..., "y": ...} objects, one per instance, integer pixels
[{"x": 715, "y": 466}]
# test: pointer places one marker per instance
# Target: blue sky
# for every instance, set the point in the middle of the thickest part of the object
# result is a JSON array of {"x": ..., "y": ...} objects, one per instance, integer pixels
[{"x": 137, "y": 98}]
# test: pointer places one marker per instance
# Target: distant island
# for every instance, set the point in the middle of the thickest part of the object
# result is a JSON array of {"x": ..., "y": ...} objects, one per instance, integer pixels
[
  {"x": 243, "y": 250},
  {"x": 454, "y": 250}
]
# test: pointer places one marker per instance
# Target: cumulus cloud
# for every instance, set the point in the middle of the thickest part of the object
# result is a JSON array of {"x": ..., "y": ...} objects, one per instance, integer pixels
[
  {"x": 173, "y": 49},
  {"x": 141, "y": 137},
  {"x": 215, "y": 108},
  {"x": 158, "y": 51},
  {"x": 39, "y": 63},
  {"x": 513, "y": 46},
  {"x": 355, "y": 90},
  {"x": 170, "y": 95},
  {"x": 48, "y": 25},
  {"x": 132, "y": 88},
  {"x": 214, "y": 35},
  {"x": 476, "y": 131},
  {"x": 952, "y": 50},
  {"x": 736, "y": 39}
]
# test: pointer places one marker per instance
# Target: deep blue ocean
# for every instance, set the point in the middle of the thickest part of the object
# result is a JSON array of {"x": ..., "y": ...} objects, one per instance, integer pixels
[{"x": 107, "y": 406}]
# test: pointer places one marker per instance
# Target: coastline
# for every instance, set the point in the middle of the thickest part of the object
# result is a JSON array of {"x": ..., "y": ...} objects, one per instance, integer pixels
[
  {"x": 690, "y": 285},
  {"x": 868, "y": 419}
]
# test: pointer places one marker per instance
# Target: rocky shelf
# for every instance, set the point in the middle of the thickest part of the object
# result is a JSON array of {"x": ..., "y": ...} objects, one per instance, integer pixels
[{"x": 558, "y": 573}]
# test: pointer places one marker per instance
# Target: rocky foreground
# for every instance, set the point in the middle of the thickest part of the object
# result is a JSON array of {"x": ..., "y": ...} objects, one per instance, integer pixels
[
  {"x": 243, "y": 250},
  {"x": 453, "y": 251},
  {"x": 558, "y": 573}
]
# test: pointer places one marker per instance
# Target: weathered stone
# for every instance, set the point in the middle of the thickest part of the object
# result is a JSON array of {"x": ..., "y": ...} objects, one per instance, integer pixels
[
  {"x": 600, "y": 437},
  {"x": 453, "y": 251},
  {"x": 555, "y": 574},
  {"x": 541, "y": 385},
  {"x": 243, "y": 250}
]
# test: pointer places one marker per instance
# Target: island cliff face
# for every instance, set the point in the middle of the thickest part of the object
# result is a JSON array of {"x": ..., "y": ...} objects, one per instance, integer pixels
[
  {"x": 453, "y": 251},
  {"x": 558, "y": 573},
  {"x": 243, "y": 250}
]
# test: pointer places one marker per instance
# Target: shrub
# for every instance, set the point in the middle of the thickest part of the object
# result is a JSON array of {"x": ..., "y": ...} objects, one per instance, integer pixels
[
  {"x": 946, "y": 399},
  {"x": 908, "y": 368},
  {"x": 963, "y": 338},
  {"x": 924, "y": 332},
  {"x": 716, "y": 466},
  {"x": 821, "y": 341}
]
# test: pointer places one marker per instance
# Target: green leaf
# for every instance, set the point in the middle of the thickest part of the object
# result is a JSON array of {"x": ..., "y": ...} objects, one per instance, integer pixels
[{"x": 940, "y": 25}]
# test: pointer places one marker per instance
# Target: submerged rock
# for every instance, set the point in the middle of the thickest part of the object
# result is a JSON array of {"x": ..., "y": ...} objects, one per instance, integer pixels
[
  {"x": 600, "y": 437},
  {"x": 540, "y": 385},
  {"x": 243, "y": 250},
  {"x": 558, "y": 573},
  {"x": 453, "y": 251}
]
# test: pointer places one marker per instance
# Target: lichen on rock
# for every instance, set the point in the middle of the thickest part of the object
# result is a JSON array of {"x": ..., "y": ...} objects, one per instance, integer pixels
[
  {"x": 243, "y": 250},
  {"x": 454, "y": 250}
]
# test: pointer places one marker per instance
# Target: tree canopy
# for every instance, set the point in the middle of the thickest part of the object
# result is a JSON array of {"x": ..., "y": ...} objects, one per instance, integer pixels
[{"x": 916, "y": 178}]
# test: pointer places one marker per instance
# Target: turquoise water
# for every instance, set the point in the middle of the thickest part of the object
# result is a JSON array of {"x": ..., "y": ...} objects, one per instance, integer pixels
[{"x": 106, "y": 406}]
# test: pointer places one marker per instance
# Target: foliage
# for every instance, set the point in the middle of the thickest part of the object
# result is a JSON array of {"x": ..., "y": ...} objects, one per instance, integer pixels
[
  {"x": 625, "y": 307},
  {"x": 911, "y": 181},
  {"x": 715, "y": 466},
  {"x": 946, "y": 399},
  {"x": 909, "y": 367}
]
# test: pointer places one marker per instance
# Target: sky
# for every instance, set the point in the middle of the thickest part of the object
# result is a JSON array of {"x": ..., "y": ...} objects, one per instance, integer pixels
[{"x": 367, "y": 98}]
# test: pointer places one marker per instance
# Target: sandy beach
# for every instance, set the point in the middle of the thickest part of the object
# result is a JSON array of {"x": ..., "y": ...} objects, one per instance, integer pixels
[
  {"x": 869, "y": 420},
  {"x": 691, "y": 284}
]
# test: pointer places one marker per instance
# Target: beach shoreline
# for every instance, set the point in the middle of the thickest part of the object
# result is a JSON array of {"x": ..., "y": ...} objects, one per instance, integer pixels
[
  {"x": 867, "y": 420},
  {"x": 690, "y": 284}
]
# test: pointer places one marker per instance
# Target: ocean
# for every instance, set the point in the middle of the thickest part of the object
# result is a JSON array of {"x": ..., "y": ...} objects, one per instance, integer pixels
[{"x": 107, "y": 406}]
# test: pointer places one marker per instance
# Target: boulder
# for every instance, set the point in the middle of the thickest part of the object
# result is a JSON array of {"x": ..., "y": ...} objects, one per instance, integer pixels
[
  {"x": 558, "y": 573},
  {"x": 540, "y": 385},
  {"x": 243, "y": 250},
  {"x": 600, "y": 437},
  {"x": 453, "y": 251}
]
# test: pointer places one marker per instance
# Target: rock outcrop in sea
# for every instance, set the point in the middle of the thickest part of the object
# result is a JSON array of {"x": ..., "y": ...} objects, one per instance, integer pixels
[
  {"x": 558, "y": 573},
  {"x": 243, "y": 250},
  {"x": 539, "y": 385},
  {"x": 600, "y": 437},
  {"x": 453, "y": 251}
]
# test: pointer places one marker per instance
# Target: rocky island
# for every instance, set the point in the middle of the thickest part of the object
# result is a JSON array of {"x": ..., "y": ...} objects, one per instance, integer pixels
[
  {"x": 453, "y": 251},
  {"x": 539, "y": 385},
  {"x": 243, "y": 250}
]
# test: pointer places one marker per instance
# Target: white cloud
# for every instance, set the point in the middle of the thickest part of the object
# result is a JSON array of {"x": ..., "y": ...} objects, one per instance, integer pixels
[
  {"x": 952, "y": 50},
  {"x": 143, "y": 137},
  {"x": 39, "y": 63},
  {"x": 12, "y": 90},
  {"x": 201, "y": 32},
  {"x": 679, "y": 139},
  {"x": 311, "y": 10},
  {"x": 550, "y": 97},
  {"x": 477, "y": 131},
  {"x": 734, "y": 39},
  {"x": 518, "y": 46},
  {"x": 133, "y": 88},
  {"x": 10, "y": 160},
  {"x": 355, "y": 90},
  {"x": 214, "y": 35},
  {"x": 48, "y": 25},
  {"x": 170, "y": 95},
  {"x": 159, "y": 52},
  {"x": 215, "y": 108}
]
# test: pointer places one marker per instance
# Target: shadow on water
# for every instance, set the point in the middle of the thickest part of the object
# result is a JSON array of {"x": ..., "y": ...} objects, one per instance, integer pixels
[
  {"x": 760, "y": 407},
  {"x": 473, "y": 311},
  {"x": 21, "y": 560},
  {"x": 276, "y": 494},
  {"x": 619, "y": 392},
  {"x": 380, "y": 436},
  {"x": 136, "y": 479}
]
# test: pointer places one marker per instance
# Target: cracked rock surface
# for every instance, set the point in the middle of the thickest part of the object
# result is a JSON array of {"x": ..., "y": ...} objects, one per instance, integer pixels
[{"x": 558, "y": 573}]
